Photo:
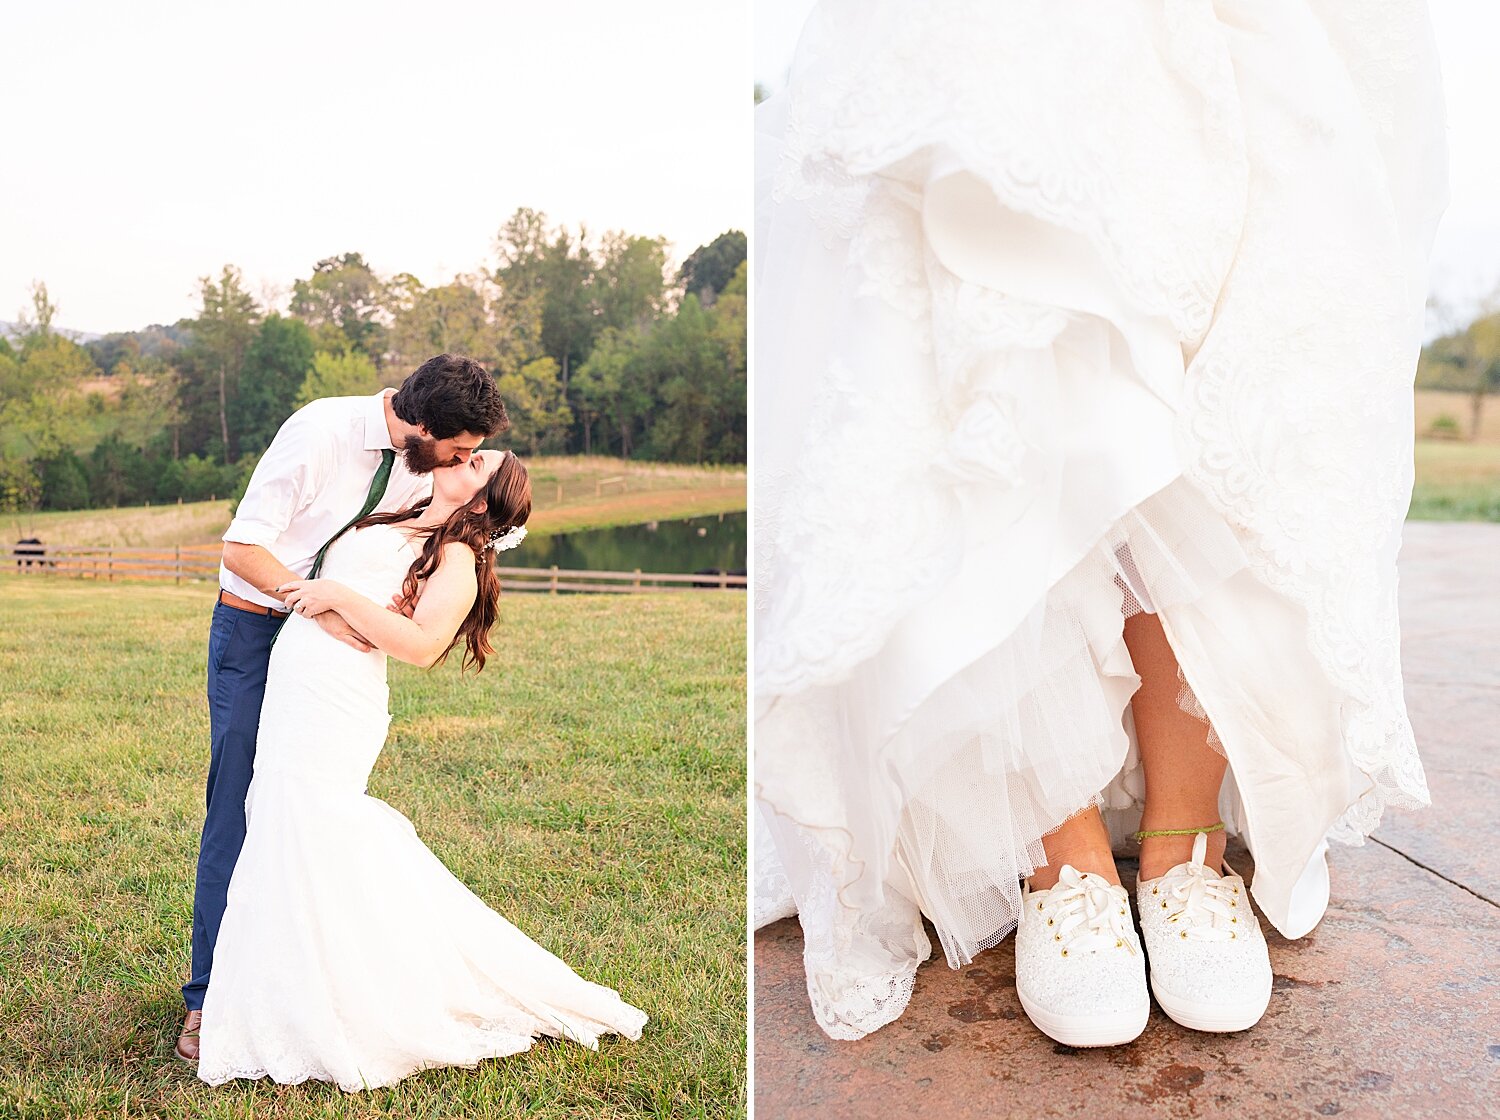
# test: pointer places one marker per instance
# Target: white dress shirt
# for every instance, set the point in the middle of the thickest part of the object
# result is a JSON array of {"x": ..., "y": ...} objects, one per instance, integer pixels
[{"x": 312, "y": 481}]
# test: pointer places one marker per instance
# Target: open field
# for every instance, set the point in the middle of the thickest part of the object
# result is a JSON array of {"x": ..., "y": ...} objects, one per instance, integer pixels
[
  {"x": 570, "y": 493},
  {"x": 589, "y": 786},
  {"x": 1432, "y": 403},
  {"x": 1456, "y": 481}
]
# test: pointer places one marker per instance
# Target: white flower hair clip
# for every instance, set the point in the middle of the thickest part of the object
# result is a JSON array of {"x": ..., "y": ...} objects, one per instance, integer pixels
[{"x": 508, "y": 539}]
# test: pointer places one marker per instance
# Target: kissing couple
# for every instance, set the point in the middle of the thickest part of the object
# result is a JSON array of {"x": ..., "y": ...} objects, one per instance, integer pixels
[{"x": 328, "y": 941}]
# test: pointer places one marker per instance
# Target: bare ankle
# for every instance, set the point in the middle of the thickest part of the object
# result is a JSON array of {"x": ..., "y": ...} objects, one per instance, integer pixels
[
  {"x": 1095, "y": 861},
  {"x": 1159, "y": 854},
  {"x": 1082, "y": 841}
]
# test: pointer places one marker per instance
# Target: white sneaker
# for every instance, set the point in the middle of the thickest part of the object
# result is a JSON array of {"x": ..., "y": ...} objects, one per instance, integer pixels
[
  {"x": 1210, "y": 970},
  {"x": 1080, "y": 973}
]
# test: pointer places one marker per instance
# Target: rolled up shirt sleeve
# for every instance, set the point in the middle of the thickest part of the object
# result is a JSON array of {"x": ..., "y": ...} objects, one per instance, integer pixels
[{"x": 282, "y": 484}]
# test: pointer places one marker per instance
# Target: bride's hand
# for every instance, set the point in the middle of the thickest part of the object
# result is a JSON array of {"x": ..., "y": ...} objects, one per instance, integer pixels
[
  {"x": 335, "y": 626},
  {"x": 313, "y": 596},
  {"x": 402, "y": 605}
]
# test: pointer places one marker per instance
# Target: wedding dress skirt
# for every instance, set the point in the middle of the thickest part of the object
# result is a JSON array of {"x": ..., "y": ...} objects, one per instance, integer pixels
[
  {"x": 1065, "y": 312},
  {"x": 348, "y": 952}
]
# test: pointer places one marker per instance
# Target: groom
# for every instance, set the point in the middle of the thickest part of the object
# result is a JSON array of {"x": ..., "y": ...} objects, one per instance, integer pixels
[{"x": 331, "y": 463}]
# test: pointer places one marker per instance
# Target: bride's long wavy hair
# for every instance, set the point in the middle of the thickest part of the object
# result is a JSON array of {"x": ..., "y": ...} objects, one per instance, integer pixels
[{"x": 504, "y": 503}]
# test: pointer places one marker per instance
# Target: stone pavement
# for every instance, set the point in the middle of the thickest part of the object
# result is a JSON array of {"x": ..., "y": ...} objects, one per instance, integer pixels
[{"x": 1391, "y": 1007}]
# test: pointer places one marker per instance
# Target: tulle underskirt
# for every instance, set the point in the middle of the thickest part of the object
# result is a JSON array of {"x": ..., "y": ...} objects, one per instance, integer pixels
[{"x": 1030, "y": 733}]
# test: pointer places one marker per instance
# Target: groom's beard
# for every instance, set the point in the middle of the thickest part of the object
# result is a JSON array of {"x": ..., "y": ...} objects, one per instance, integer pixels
[{"x": 420, "y": 455}]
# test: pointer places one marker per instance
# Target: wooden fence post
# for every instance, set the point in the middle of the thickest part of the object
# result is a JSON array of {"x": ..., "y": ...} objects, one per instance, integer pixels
[
  {"x": 553, "y": 588},
  {"x": 637, "y": 584},
  {"x": 177, "y": 570}
]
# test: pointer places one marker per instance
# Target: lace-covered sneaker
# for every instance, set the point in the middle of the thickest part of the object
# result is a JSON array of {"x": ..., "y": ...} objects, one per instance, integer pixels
[
  {"x": 1210, "y": 970},
  {"x": 1080, "y": 973}
]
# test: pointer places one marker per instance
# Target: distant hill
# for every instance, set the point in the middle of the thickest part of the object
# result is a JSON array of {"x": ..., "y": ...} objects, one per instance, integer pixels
[{"x": 11, "y": 330}]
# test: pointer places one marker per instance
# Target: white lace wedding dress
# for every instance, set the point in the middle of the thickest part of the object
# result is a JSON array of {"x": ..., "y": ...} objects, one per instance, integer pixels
[
  {"x": 348, "y": 952},
  {"x": 1066, "y": 311}
]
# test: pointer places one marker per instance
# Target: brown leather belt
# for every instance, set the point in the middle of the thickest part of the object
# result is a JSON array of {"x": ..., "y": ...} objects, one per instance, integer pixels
[{"x": 229, "y": 599}]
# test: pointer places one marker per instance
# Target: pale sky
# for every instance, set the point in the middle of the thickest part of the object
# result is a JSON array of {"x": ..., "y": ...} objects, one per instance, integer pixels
[
  {"x": 150, "y": 143},
  {"x": 1466, "y": 254}
]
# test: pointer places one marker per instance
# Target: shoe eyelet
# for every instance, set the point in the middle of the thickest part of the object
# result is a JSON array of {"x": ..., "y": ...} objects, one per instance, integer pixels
[
  {"x": 1184, "y": 935},
  {"x": 1233, "y": 936},
  {"x": 1065, "y": 952},
  {"x": 1057, "y": 937},
  {"x": 1163, "y": 905},
  {"x": 1038, "y": 905},
  {"x": 1122, "y": 913},
  {"x": 1120, "y": 944},
  {"x": 1155, "y": 890},
  {"x": 1049, "y": 921},
  {"x": 1234, "y": 919}
]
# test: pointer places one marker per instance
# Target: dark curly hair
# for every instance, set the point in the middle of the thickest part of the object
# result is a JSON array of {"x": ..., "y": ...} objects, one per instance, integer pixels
[
  {"x": 506, "y": 502},
  {"x": 450, "y": 394}
]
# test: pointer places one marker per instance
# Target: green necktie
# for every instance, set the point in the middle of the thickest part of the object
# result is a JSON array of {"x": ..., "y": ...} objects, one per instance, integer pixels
[{"x": 372, "y": 499}]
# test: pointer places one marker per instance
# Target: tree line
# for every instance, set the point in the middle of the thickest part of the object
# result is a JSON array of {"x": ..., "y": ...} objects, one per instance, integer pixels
[
  {"x": 1465, "y": 357},
  {"x": 596, "y": 349}
]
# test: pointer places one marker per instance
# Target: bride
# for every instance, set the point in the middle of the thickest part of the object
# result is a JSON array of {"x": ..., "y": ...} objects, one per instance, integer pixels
[
  {"x": 1084, "y": 352},
  {"x": 348, "y": 952}
]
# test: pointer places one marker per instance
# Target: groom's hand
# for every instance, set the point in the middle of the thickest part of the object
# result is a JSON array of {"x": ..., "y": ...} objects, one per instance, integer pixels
[{"x": 333, "y": 623}]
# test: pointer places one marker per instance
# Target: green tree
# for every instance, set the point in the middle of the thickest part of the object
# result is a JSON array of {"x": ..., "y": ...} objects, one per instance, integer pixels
[
  {"x": 730, "y": 381},
  {"x": 699, "y": 355},
  {"x": 613, "y": 387},
  {"x": 630, "y": 283},
  {"x": 36, "y": 324},
  {"x": 65, "y": 484},
  {"x": 534, "y": 401},
  {"x": 344, "y": 303},
  {"x": 1466, "y": 357},
  {"x": 20, "y": 485},
  {"x": 347, "y": 374},
  {"x": 452, "y": 319},
  {"x": 683, "y": 351},
  {"x": 555, "y": 269},
  {"x": 710, "y": 268},
  {"x": 43, "y": 409},
  {"x": 226, "y": 325},
  {"x": 119, "y": 474},
  {"x": 277, "y": 365}
]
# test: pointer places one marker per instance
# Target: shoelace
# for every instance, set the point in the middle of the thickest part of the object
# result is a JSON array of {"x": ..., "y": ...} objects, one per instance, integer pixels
[
  {"x": 1204, "y": 905},
  {"x": 1088, "y": 913}
]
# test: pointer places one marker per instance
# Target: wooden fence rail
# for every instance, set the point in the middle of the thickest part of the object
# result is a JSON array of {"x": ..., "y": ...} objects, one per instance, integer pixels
[{"x": 201, "y": 563}]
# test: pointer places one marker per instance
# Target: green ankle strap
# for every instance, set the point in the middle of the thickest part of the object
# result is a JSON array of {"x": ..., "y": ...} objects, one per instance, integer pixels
[{"x": 1141, "y": 835}]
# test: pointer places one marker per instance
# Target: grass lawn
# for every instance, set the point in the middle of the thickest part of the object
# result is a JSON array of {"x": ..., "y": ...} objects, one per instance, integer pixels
[
  {"x": 1456, "y": 481},
  {"x": 589, "y": 785},
  {"x": 569, "y": 493}
]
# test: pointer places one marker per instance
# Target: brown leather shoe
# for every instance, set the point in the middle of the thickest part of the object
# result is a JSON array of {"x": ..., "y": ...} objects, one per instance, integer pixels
[{"x": 187, "y": 1041}]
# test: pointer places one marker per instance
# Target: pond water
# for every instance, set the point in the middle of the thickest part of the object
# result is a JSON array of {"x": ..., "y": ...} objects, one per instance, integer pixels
[{"x": 690, "y": 545}]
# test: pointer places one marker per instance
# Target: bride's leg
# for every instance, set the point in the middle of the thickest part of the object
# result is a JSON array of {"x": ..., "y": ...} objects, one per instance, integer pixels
[
  {"x": 1081, "y": 840},
  {"x": 1183, "y": 773}
]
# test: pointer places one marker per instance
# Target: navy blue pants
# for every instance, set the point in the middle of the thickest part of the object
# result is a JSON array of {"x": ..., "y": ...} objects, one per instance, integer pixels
[{"x": 239, "y": 649}]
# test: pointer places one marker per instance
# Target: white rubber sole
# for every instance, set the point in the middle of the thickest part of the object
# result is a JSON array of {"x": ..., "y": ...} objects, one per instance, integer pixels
[
  {"x": 1088, "y": 1030},
  {"x": 1213, "y": 1017}
]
